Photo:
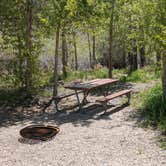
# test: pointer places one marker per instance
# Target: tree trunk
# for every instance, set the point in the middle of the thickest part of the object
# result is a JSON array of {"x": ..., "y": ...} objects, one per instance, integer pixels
[
  {"x": 132, "y": 56},
  {"x": 28, "y": 43},
  {"x": 158, "y": 58},
  {"x": 75, "y": 51},
  {"x": 20, "y": 63},
  {"x": 110, "y": 50},
  {"x": 123, "y": 59},
  {"x": 104, "y": 61},
  {"x": 142, "y": 57},
  {"x": 64, "y": 54},
  {"x": 67, "y": 52},
  {"x": 135, "y": 62},
  {"x": 132, "y": 62},
  {"x": 110, "y": 47},
  {"x": 90, "y": 54},
  {"x": 164, "y": 76},
  {"x": 55, "y": 86},
  {"x": 111, "y": 39},
  {"x": 94, "y": 51}
]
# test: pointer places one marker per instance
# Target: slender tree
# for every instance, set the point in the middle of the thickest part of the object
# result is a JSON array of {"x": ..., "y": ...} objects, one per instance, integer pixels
[
  {"x": 164, "y": 75},
  {"x": 75, "y": 51},
  {"x": 142, "y": 56},
  {"x": 55, "y": 87},
  {"x": 94, "y": 51},
  {"x": 29, "y": 17},
  {"x": 111, "y": 38},
  {"x": 64, "y": 54},
  {"x": 90, "y": 54}
]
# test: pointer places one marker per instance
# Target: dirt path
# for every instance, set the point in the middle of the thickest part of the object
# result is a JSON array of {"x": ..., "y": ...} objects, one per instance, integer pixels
[{"x": 85, "y": 139}]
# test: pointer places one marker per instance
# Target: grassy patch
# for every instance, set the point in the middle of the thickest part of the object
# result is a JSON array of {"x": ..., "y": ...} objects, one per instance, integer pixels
[
  {"x": 162, "y": 142},
  {"x": 145, "y": 74},
  {"x": 86, "y": 74},
  {"x": 152, "y": 106},
  {"x": 155, "y": 107}
]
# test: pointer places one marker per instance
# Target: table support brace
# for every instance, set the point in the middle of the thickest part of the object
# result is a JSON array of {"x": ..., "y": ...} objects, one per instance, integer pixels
[{"x": 79, "y": 103}]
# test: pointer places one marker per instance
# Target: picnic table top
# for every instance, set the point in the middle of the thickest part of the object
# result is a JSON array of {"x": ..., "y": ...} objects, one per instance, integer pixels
[{"x": 91, "y": 84}]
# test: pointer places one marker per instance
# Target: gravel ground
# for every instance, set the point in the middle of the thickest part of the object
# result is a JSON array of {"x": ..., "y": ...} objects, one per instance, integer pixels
[{"x": 85, "y": 139}]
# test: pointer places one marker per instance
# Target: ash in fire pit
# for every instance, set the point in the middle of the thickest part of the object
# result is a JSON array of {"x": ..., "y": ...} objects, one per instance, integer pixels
[{"x": 39, "y": 132}]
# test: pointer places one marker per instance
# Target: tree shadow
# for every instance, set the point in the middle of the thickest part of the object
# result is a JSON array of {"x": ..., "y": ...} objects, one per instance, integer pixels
[
  {"x": 112, "y": 110},
  {"x": 33, "y": 141},
  {"x": 85, "y": 117},
  {"x": 24, "y": 114}
]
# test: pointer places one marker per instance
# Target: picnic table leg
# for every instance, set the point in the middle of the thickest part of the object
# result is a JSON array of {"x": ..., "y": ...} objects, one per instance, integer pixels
[
  {"x": 79, "y": 103},
  {"x": 86, "y": 93},
  {"x": 106, "y": 90},
  {"x": 105, "y": 107},
  {"x": 56, "y": 105},
  {"x": 129, "y": 96}
]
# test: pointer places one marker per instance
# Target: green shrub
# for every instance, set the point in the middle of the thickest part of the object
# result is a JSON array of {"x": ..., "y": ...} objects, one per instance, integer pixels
[
  {"x": 87, "y": 74},
  {"x": 145, "y": 74},
  {"x": 154, "y": 106}
]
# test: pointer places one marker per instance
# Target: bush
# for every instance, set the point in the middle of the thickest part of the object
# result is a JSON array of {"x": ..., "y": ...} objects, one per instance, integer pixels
[
  {"x": 154, "y": 106},
  {"x": 145, "y": 74},
  {"x": 87, "y": 74}
]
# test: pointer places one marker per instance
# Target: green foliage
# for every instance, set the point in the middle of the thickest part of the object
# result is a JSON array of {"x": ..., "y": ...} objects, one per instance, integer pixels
[
  {"x": 140, "y": 21},
  {"x": 86, "y": 74},
  {"x": 162, "y": 141},
  {"x": 120, "y": 74},
  {"x": 13, "y": 96},
  {"x": 145, "y": 74},
  {"x": 17, "y": 32},
  {"x": 153, "y": 107}
]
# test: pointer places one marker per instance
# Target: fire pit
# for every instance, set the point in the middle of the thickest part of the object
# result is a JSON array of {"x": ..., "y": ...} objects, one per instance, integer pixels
[{"x": 39, "y": 132}]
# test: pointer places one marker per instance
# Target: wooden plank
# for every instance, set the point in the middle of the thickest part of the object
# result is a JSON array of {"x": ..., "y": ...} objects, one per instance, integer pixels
[
  {"x": 97, "y": 84},
  {"x": 90, "y": 84},
  {"x": 97, "y": 81},
  {"x": 105, "y": 81},
  {"x": 90, "y": 81},
  {"x": 112, "y": 96}
]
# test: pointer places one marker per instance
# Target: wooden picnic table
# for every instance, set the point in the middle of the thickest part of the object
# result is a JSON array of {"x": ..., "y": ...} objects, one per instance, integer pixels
[{"x": 88, "y": 86}]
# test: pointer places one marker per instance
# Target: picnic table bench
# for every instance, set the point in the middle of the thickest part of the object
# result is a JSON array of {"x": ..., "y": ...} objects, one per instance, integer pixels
[{"x": 105, "y": 99}]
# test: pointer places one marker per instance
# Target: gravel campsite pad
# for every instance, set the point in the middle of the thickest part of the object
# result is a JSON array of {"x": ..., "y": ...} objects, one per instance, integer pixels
[{"x": 85, "y": 139}]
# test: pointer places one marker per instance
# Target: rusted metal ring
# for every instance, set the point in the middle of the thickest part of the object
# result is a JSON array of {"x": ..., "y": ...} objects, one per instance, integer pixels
[{"x": 39, "y": 132}]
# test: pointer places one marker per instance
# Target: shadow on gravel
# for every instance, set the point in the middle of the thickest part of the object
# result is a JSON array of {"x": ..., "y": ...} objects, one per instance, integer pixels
[
  {"x": 85, "y": 117},
  {"x": 32, "y": 141},
  {"x": 111, "y": 111},
  {"x": 22, "y": 112}
]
